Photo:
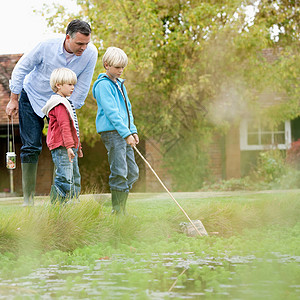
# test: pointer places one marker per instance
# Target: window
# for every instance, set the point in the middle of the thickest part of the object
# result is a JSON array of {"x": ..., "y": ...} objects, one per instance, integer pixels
[{"x": 255, "y": 136}]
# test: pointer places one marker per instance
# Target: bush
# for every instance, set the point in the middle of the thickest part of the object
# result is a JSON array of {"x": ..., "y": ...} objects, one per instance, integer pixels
[
  {"x": 233, "y": 184},
  {"x": 273, "y": 171},
  {"x": 293, "y": 155},
  {"x": 270, "y": 167}
]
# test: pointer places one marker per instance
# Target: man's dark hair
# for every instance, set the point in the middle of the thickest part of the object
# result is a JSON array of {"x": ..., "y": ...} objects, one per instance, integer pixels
[{"x": 78, "y": 26}]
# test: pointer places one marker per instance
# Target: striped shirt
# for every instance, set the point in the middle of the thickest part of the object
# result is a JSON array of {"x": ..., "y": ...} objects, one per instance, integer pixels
[
  {"x": 33, "y": 70},
  {"x": 75, "y": 118}
]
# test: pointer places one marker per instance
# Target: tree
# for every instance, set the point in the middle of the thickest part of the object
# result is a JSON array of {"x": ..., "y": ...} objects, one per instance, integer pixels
[{"x": 195, "y": 66}]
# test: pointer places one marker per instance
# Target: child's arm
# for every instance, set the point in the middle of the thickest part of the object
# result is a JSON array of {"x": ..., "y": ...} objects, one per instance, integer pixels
[
  {"x": 110, "y": 108},
  {"x": 63, "y": 121}
]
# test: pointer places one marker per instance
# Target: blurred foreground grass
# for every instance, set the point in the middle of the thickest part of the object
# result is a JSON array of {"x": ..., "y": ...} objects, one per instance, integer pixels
[{"x": 254, "y": 256}]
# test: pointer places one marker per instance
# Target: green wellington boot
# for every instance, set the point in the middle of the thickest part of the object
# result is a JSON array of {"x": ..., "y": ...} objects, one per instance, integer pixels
[
  {"x": 118, "y": 200},
  {"x": 115, "y": 201},
  {"x": 28, "y": 182},
  {"x": 123, "y": 202}
]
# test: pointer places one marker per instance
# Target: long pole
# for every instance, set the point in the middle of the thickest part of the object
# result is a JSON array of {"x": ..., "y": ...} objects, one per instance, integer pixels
[{"x": 144, "y": 159}]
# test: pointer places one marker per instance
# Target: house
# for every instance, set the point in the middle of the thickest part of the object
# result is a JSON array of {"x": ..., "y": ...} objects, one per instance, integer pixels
[{"x": 245, "y": 141}]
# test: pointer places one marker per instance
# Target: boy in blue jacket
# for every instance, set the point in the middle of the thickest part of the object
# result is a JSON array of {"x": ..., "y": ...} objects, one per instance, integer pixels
[{"x": 114, "y": 121}]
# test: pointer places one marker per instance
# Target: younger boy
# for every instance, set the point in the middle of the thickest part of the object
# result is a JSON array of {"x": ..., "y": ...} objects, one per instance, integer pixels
[
  {"x": 63, "y": 136},
  {"x": 114, "y": 121}
]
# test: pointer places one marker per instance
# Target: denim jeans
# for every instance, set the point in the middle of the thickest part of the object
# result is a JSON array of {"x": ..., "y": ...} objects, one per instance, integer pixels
[
  {"x": 67, "y": 176},
  {"x": 123, "y": 168},
  {"x": 31, "y": 126}
]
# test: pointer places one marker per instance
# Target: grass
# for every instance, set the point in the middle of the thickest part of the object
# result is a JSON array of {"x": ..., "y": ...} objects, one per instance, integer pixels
[
  {"x": 260, "y": 225},
  {"x": 46, "y": 227}
]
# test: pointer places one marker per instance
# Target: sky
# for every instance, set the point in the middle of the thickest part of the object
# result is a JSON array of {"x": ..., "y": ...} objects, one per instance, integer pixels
[{"x": 21, "y": 28}]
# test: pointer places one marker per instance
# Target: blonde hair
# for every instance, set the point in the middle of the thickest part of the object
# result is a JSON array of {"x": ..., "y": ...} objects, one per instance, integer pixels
[
  {"x": 62, "y": 76},
  {"x": 115, "y": 57}
]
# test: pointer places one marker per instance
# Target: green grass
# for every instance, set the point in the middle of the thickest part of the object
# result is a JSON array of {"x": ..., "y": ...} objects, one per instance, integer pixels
[
  {"x": 46, "y": 227},
  {"x": 264, "y": 226}
]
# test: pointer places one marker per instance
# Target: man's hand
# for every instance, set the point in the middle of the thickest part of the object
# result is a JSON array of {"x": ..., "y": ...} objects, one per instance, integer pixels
[
  {"x": 130, "y": 140},
  {"x": 80, "y": 153},
  {"x": 70, "y": 154},
  {"x": 12, "y": 107}
]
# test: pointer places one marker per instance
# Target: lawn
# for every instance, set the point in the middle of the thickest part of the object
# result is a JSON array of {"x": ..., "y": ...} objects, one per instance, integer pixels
[{"x": 81, "y": 251}]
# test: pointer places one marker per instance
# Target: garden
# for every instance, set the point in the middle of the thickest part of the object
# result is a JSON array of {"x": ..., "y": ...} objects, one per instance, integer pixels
[{"x": 201, "y": 68}]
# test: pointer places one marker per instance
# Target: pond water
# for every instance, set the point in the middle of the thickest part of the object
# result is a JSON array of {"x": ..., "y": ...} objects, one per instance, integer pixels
[{"x": 158, "y": 276}]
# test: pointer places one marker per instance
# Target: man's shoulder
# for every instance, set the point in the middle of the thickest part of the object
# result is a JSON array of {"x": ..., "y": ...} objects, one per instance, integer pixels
[
  {"x": 92, "y": 47},
  {"x": 52, "y": 41},
  {"x": 91, "y": 50}
]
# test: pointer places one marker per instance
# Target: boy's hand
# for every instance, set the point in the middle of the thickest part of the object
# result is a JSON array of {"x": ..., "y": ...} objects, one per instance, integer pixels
[
  {"x": 70, "y": 154},
  {"x": 136, "y": 137},
  {"x": 130, "y": 140},
  {"x": 80, "y": 153}
]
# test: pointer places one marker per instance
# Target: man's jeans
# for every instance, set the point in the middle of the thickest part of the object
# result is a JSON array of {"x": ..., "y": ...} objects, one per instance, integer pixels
[
  {"x": 123, "y": 168},
  {"x": 67, "y": 176},
  {"x": 31, "y": 126}
]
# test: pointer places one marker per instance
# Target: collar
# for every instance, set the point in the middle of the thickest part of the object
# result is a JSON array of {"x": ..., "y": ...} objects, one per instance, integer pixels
[{"x": 61, "y": 51}]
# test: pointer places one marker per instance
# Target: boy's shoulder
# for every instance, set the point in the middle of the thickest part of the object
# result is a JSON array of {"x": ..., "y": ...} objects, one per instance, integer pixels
[
  {"x": 103, "y": 81},
  {"x": 55, "y": 101}
]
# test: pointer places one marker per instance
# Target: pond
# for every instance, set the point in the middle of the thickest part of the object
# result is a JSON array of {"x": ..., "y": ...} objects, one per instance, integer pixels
[{"x": 162, "y": 276}]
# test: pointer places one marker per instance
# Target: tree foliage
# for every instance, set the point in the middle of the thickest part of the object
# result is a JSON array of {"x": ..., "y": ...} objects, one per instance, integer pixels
[
  {"x": 196, "y": 64},
  {"x": 195, "y": 61}
]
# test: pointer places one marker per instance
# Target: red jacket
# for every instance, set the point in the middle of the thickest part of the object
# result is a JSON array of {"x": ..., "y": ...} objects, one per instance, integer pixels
[{"x": 61, "y": 130}]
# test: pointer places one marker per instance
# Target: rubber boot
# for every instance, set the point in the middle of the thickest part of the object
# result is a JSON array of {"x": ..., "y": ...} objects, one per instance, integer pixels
[
  {"x": 123, "y": 202},
  {"x": 28, "y": 182},
  {"x": 117, "y": 199}
]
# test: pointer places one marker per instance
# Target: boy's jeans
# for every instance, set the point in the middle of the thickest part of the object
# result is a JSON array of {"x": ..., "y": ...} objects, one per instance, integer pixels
[
  {"x": 123, "y": 168},
  {"x": 67, "y": 176}
]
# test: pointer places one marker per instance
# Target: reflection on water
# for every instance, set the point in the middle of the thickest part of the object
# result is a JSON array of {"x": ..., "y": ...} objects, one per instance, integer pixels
[{"x": 119, "y": 277}]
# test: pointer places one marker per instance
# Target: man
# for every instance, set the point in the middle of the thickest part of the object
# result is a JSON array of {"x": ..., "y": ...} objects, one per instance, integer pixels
[{"x": 31, "y": 79}]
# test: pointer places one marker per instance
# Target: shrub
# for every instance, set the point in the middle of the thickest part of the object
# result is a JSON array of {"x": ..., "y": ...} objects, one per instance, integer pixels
[
  {"x": 293, "y": 155},
  {"x": 233, "y": 184},
  {"x": 273, "y": 171},
  {"x": 271, "y": 166}
]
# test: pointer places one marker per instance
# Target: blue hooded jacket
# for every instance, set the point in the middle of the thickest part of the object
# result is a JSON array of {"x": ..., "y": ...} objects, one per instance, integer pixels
[{"x": 114, "y": 112}]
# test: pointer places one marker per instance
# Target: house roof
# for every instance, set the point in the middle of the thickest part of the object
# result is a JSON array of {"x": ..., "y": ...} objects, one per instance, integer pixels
[{"x": 7, "y": 63}]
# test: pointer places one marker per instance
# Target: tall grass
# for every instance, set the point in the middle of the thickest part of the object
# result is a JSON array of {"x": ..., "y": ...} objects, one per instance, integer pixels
[{"x": 66, "y": 228}]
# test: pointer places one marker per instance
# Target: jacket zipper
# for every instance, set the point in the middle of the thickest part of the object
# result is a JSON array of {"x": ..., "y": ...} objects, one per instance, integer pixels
[{"x": 123, "y": 95}]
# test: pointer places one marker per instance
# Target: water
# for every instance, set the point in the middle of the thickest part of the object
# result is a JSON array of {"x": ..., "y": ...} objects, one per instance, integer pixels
[{"x": 156, "y": 277}]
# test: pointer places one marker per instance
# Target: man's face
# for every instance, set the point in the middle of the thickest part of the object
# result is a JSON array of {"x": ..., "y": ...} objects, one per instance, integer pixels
[{"x": 77, "y": 44}]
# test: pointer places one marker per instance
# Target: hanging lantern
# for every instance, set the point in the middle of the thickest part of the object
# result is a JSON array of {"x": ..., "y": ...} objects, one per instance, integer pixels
[
  {"x": 11, "y": 160},
  {"x": 11, "y": 157}
]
